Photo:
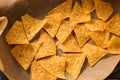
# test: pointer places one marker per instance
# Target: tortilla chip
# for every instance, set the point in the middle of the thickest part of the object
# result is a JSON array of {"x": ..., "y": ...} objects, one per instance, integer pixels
[
  {"x": 100, "y": 38},
  {"x": 64, "y": 8},
  {"x": 32, "y": 25},
  {"x": 82, "y": 34},
  {"x": 74, "y": 63},
  {"x": 103, "y": 9},
  {"x": 78, "y": 15},
  {"x": 94, "y": 53},
  {"x": 96, "y": 25},
  {"x": 39, "y": 73},
  {"x": 64, "y": 31},
  {"x": 88, "y": 6},
  {"x": 24, "y": 54},
  {"x": 114, "y": 45},
  {"x": 55, "y": 65},
  {"x": 53, "y": 23},
  {"x": 48, "y": 47},
  {"x": 114, "y": 25},
  {"x": 16, "y": 34},
  {"x": 70, "y": 45}
]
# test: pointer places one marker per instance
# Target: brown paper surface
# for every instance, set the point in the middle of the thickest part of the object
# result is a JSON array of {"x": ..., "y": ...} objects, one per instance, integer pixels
[{"x": 38, "y": 8}]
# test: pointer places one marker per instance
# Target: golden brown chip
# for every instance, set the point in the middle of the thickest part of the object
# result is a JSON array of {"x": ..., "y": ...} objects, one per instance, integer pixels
[
  {"x": 96, "y": 25},
  {"x": 103, "y": 9},
  {"x": 78, "y": 15},
  {"x": 114, "y": 25},
  {"x": 48, "y": 47},
  {"x": 64, "y": 9},
  {"x": 24, "y": 54},
  {"x": 32, "y": 25},
  {"x": 74, "y": 63},
  {"x": 64, "y": 31},
  {"x": 94, "y": 53},
  {"x": 114, "y": 45},
  {"x": 100, "y": 38},
  {"x": 16, "y": 34},
  {"x": 82, "y": 34},
  {"x": 55, "y": 65},
  {"x": 88, "y": 6},
  {"x": 53, "y": 24},
  {"x": 70, "y": 45},
  {"x": 39, "y": 73}
]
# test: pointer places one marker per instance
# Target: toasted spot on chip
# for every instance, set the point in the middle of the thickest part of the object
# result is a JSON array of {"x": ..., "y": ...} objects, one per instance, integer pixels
[
  {"x": 70, "y": 45},
  {"x": 53, "y": 24},
  {"x": 24, "y": 54},
  {"x": 39, "y": 73},
  {"x": 55, "y": 65},
  {"x": 48, "y": 46},
  {"x": 114, "y": 25},
  {"x": 103, "y": 9},
  {"x": 32, "y": 25},
  {"x": 64, "y": 31},
  {"x": 74, "y": 63},
  {"x": 100, "y": 38},
  {"x": 88, "y": 6},
  {"x": 78, "y": 15},
  {"x": 82, "y": 34},
  {"x": 94, "y": 53},
  {"x": 64, "y": 8},
  {"x": 16, "y": 34},
  {"x": 96, "y": 25},
  {"x": 114, "y": 45}
]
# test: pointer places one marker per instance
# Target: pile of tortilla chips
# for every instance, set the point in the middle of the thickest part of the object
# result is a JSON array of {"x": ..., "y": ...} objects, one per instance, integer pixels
[{"x": 68, "y": 28}]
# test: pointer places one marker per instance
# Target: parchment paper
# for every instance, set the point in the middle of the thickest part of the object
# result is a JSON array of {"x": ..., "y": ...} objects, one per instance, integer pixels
[{"x": 38, "y": 8}]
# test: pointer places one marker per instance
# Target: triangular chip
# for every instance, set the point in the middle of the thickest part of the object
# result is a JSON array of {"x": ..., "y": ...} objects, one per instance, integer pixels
[
  {"x": 100, "y": 38},
  {"x": 74, "y": 63},
  {"x": 16, "y": 34},
  {"x": 39, "y": 73},
  {"x": 103, "y": 9},
  {"x": 64, "y": 8},
  {"x": 32, "y": 25},
  {"x": 88, "y": 6},
  {"x": 54, "y": 65},
  {"x": 78, "y": 15},
  {"x": 114, "y": 45},
  {"x": 114, "y": 25},
  {"x": 82, "y": 34},
  {"x": 70, "y": 45},
  {"x": 94, "y": 53},
  {"x": 96, "y": 25},
  {"x": 53, "y": 24},
  {"x": 48, "y": 47},
  {"x": 24, "y": 54},
  {"x": 64, "y": 31}
]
